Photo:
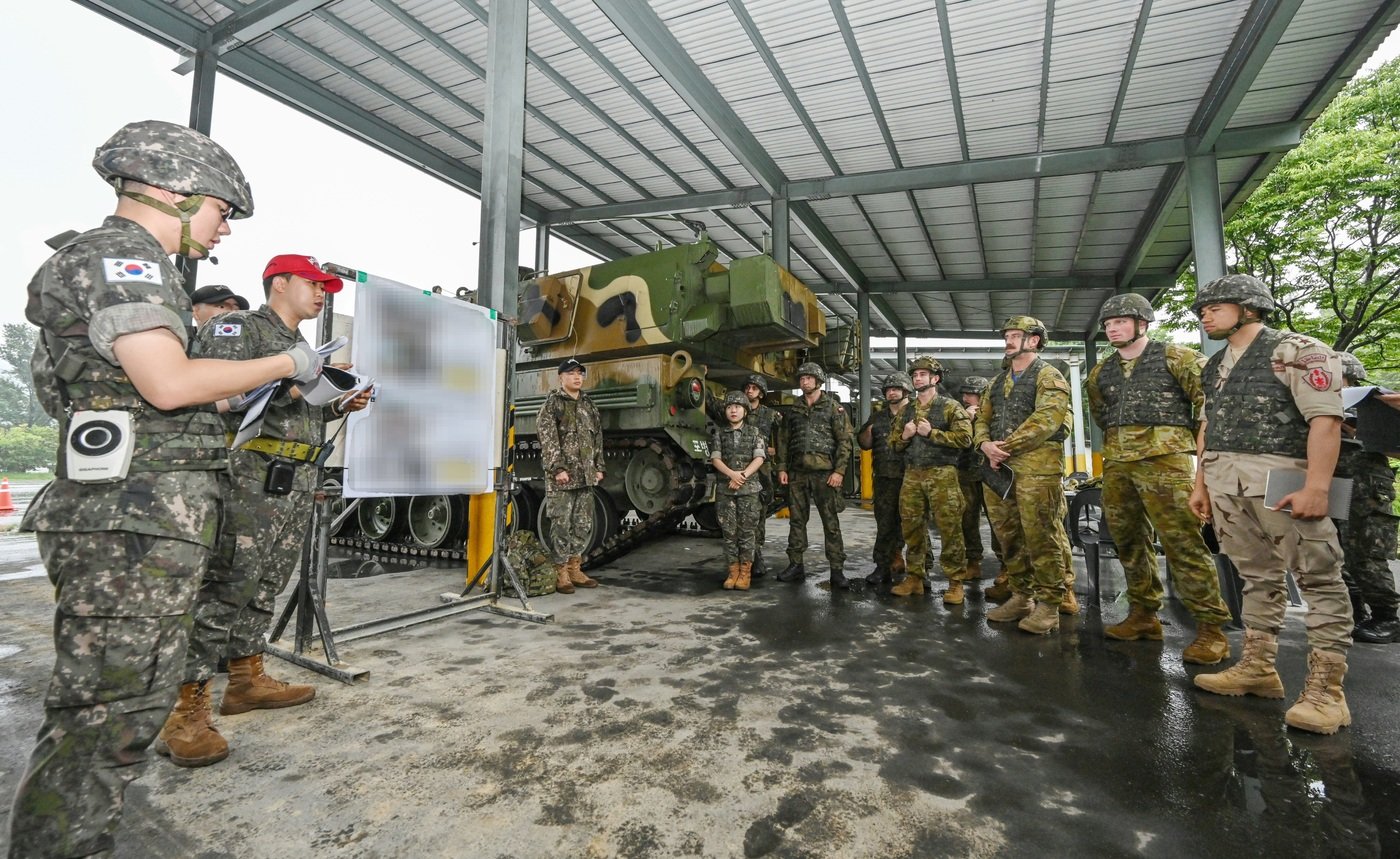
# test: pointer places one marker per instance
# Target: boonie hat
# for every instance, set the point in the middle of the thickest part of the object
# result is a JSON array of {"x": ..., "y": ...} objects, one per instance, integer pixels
[
  {"x": 217, "y": 294},
  {"x": 304, "y": 267}
]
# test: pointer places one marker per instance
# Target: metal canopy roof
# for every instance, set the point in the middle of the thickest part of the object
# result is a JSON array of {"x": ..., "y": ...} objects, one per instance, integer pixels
[{"x": 959, "y": 160}]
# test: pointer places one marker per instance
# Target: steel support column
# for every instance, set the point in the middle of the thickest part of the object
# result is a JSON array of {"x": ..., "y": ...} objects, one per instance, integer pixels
[
  {"x": 1207, "y": 227},
  {"x": 782, "y": 233},
  {"x": 206, "y": 65},
  {"x": 1076, "y": 398},
  {"x": 502, "y": 160},
  {"x": 1091, "y": 358},
  {"x": 543, "y": 232},
  {"x": 862, "y": 397},
  {"x": 901, "y": 353}
]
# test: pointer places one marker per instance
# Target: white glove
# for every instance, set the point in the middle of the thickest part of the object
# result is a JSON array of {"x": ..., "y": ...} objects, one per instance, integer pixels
[{"x": 307, "y": 363}]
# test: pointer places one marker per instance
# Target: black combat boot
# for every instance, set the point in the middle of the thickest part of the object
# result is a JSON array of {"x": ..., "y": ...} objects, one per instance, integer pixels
[
  {"x": 1382, "y": 628},
  {"x": 794, "y": 573},
  {"x": 759, "y": 568},
  {"x": 879, "y": 576},
  {"x": 838, "y": 579},
  {"x": 1359, "y": 612}
]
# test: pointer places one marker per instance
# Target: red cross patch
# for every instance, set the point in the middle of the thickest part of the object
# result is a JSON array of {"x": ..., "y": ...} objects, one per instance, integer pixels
[{"x": 1319, "y": 379}]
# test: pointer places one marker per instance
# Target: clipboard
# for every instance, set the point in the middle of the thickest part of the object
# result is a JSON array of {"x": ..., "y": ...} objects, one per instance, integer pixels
[
  {"x": 1000, "y": 480},
  {"x": 1282, "y": 481}
]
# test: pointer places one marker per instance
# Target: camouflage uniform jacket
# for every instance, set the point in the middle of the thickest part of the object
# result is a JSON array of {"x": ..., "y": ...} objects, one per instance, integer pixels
[
  {"x": 1034, "y": 443},
  {"x": 885, "y": 460},
  {"x": 106, "y": 283},
  {"x": 951, "y": 433},
  {"x": 816, "y": 437},
  {"x": 1174, "y": 379},
  {"x": 736, "y": 448},
  {"x": 571, "y": 439},
  {"x": 769, "y": 422}
]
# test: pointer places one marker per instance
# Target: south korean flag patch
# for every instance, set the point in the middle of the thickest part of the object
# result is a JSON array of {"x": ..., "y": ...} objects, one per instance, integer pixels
[
  {"x": 128, "y": 270},
  {"x": 227, "y": 329}
]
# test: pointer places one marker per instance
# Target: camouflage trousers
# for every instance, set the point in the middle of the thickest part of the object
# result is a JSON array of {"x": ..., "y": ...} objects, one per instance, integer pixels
[
  {"x": 1368, "y": 542},
  {"x": 932, "y": 494},
  {"x": 1149, "y": 494},
  {"x": 120, "y": 630},
  {"x": 889, "y": 530},
  {"x": 1263, "y": 543},
  {"x": 260, "y": 546},
  {"x": 804, "y": 489},
  {"x": 570, "y": 513},
  {"x": 1030, "y": 524},
  {"x": 739, "y": 516},
  {"x": 973, "y": 513},
  {"x": 765, "y": 504}
]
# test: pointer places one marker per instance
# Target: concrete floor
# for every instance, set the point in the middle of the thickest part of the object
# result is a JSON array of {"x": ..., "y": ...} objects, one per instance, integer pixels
[{"x": 663, "y": 716}]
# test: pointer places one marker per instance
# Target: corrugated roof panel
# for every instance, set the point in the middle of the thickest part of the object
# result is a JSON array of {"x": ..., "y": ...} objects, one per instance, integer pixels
[
  {"x": 1001, "y": 110},
  {"x": 1000, "y": 70},
  {"x": 899, "y": 42},
  {"x": 1076, "y": 16},
  {"x": 1017, "y": 191},
  {"x": 866, "y": 12},
  {"x": 1189, "y": 30},
  {"x": 932, "y": 149},
  {"x": 910, "y": 124},
  {"x": 767, "y": 113},
  {"x": 933, "y": 199},
  {"x": 1317, "y": 17},
  {"x": 992, "y": 142},
  {"x": 1304, "y": 61},
  {"x": 1055, "y": 207},
  {"x": 815, "y": 61},
  {"x": 850, "y": 132},
  {"x": 1076, "y": 185},
  {"x": 1076, "y": 132},
  {"x": 1017, "y": 228},
  {"x": 913, "y": 85},
  {"x": 864, "y": 159},
  {"x": 743, "y": 77},
  {"x": 810, "y": 166},
  {"x": 1132, "y": 202},
  {"x": 784, "y": 22},
  {"x": 1159, "y": 120},
  {"x": 1151, "y": 85},
  {"x": 834, "y": 100},
  {"x": 708, "y": 32},
  {"x": 781, "y": 144},
  {"x": 982, "y": 25}
]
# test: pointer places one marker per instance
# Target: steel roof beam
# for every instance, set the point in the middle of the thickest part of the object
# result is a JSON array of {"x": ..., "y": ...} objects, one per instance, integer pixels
[
  {"x": 1000, "y": 284},
  {"x": 258, "y": 19}
]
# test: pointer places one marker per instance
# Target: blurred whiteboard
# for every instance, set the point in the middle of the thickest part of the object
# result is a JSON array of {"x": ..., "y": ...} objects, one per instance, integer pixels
[{"x": 434, "y": 425}]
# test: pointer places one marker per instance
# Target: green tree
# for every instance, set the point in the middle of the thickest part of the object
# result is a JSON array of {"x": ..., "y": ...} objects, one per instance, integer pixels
[
  {"x": 18, "y": 405},
  {"x": 28, "y": 448}
]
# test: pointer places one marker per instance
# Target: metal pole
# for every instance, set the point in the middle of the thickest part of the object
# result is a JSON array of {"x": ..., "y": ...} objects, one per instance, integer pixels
[
  {"x": 503, "y": 155},
  {"x": 542, "y": 234},
  {"x": 863, "y": 400},
  {"x": 782, "y": 233},
  {"x": 206, "y": 65},
  {"x": 1207, "y": 227},
  {"x": 1077, "y": 405},
  {"x": 1091, "y": 359},
  {"x": 901, "y": 352}
]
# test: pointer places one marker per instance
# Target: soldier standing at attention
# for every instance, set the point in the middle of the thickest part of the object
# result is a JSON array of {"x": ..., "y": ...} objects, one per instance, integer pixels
[
  {"x": 813, "y": 450},
  {"x": 932, "y": 433},
  {"x": 737, "y": 452},
  {"x": 126, "y": 542},
  {"x": 264, "y": 525},
  {"x": 1368, "y": 533},
  {"x": 888, "y": 466},
  {"x": 1021, "y": 425},
  {"x": 768, "y": 421},
  {"x": 571, "y": 445},
  {"x": 1147, "y": 398},
  {"x": 971, "y": 392},
  {"x": 1273, "y": 404}
]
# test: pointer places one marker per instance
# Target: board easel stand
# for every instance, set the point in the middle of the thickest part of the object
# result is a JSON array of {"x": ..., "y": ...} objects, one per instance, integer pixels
[{"x": 308, "y": 600}]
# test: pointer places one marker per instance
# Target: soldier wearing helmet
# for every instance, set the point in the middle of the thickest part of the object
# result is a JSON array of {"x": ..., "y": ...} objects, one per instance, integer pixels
[
  {"x": 814, "y": 447},
  {"x": 887, "y": 465},
  {"x": 1273, "y": 406},
  {"x": 1020, "y": 425},
  {"x": 1368, "y": 533},
  {"x": 931, "y": 433},
  {"x": 1147, "y": 398},
  {"x": 111, "y": 359},
  {"x": 737, "y": 452},
  {"x": 768, "y": 421},
  {"x": 970, "y": 394}
]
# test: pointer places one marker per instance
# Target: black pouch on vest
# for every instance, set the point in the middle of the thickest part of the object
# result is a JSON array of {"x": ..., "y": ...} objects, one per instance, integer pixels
[{"x": 280, "y": 476}]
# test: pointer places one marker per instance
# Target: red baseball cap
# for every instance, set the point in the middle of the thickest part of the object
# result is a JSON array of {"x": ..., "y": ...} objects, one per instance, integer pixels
[{"x": 304, "y": 267}]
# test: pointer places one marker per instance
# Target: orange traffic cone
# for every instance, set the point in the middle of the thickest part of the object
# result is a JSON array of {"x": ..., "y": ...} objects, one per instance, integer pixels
[{"x": 7, "y": 504}]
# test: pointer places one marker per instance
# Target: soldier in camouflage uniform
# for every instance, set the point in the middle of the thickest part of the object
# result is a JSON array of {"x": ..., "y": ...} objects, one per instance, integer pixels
[
  {"x": 126, "y": 554},
  {"x": 768, "y": 420},
  {"x": 1147, "y": 398},
  {"x": 932, "y": 434},
  {"x": 1368, "y": 533},
  {"x": 970, "y": 393},
  {"x": 571, "y": 445},
  {"x": 888, "y": 467},
  {"x": 737, "y": 451},
  {"x": 1021, "y": 425},
  {"x": 1273, "y": 404},
  {"x": 262, "y": 533},
  {"x": 813, "y": 449}
]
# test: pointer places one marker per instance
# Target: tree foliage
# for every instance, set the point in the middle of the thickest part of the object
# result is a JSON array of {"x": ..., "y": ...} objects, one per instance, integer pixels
[
  {"x": 28, "y": 448},
  {"x": 18, "y": 405}
]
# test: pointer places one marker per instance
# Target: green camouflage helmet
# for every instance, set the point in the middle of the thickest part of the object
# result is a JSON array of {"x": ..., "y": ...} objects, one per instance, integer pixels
[
  {"x": 1128, "y": 304},
  {"x": 1028, "y": 324},
  {"x": 814, "y": 370},
  {"x": 1352, "y": 368},
  {"x": 1242, "y": 289},
  {"x": 736, "y": 398},
  {"x": 898, "y": 380},
  {"x": 974, "y": 385},
  {"x": 758, "y": 381},
  {"x": 926, "y": 362},
  {"x": 176, "y": 158}
]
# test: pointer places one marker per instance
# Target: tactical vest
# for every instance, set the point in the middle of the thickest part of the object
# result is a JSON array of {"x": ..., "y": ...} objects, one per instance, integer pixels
[
  {"x": 811, "y": 440},
  {"x": 1254, "y": 412},
  {"x": 74, "y": 377},
  {"x": 736, "y": 451},
  {"x": 1010, "y": 411},
  {"x": 765, "y": 418},
  {"x": 922, "y": 451},
  {"x": 884, "y": 459},
  {"x": 1153, "y": 397}
]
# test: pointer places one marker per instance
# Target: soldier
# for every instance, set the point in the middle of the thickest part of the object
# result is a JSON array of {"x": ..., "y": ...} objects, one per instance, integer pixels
[
  {"x": 1295, "y": 382},
  {"x": 932, "y": 434},
  {"x": 571, "y": 445},
  {"x": 888, "y": 467},
  {"x": 1368, "y": 533},
  {"x": 1021, "y": 425},
  {"x": 210, "y": 301},
  {"x": 813, "y": 450},
  {"x": 737, "y": 452},
  {"x": 125, "y": 533},
  {"x": 264, "y": 526},
  {"x": 768, "y": 421},
  {"x": 1147, "y": 398},
  {"x": 970, "y": 393}
]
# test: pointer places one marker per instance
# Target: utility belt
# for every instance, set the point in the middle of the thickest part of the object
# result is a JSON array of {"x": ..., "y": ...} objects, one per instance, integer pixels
[{"x": 283, "y": 459}]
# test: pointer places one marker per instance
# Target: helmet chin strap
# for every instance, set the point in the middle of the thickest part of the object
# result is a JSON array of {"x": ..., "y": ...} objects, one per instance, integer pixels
[
  {"x": 184, "y": 210},
  {"x": 1139, "y": 332},
  {"x": 1240, "y": 322}
]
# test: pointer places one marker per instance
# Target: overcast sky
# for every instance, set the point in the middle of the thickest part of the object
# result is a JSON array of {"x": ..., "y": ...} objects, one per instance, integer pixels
[{"x": 73, "y": 77}]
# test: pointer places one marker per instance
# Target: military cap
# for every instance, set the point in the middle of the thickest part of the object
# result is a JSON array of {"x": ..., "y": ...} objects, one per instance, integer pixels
[
  {"x": 176, "y": 158},
  {"x": 814, "y": 370},
  {"x": 1129, "y": 304},
  {"x": 1242, "y": 289},
  {"x": 568, "y": 365},
  {"x": 215, "y": 294}
]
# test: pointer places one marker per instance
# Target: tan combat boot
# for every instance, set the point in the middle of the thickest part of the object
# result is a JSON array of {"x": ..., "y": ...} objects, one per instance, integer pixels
[
  {"x": 1043, "y": 619},
  {"x": 954, "y": 594},
  {"x": 249, "y": 688},
  {"x": 577, "y": 577},
  {"x": 1139, "y": 624},
  {"x": 974, "y": 569},
  {"x": 1322, "y": 708},
  {"x": 733, "y": 577},
  {"x": 911, "y": 586},
  {"x": 1211, "y": 646},
  {"x": 561, "y": 579},
  {"x": 1015, "y": 608},
  {"x": 1254, "y": 674},
  {"x": 189, "y": 737},
  {"x": 1070, "y": 603},
  {"x": 745, "y": 576},
  {"x": 1000, "y": 591}
]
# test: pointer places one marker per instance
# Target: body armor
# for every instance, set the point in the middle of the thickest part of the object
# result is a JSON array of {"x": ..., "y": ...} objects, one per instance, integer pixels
[
  {"x": 1254, "y": 412},
  {"x": 1010, "y": 411},
  {"x": 923, "y": 452},
  {"x": 1153, "y": 398}
]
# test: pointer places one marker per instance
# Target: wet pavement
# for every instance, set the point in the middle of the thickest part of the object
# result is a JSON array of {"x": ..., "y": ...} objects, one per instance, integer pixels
[{"x": 663, "y": 716}]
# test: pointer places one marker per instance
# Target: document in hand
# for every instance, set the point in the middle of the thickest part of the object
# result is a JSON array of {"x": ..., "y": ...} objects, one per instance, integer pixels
[
  {"x": 1377, "y": 425},
  {"x": 1000, "y": 480},
  {"x": 1283, "y": 481},
  {"x": 332, "y": 384}
]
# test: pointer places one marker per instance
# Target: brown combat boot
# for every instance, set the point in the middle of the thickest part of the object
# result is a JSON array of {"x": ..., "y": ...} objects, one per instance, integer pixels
[
  {"x": 1211, "y": 646},
  {"x": 561, "y": 579},
  {"x": 1000, "y": 591},
  {"x": 189, "y": 737},
  {"x": 1322, "y": 708},
  {"x": 1043, "y": 619},
  {"x": 1254, "y": 674},
  {"x": 954, "y": 594},
  {"x": 733, "y": 577},
  {"x": 1015, "y": 608},
  {"x": 897, "y": 567},
  {"x": 911, "y": 586},
  {"x": 249, "y": 688},
  {"x": 1070, "y": 603},
  {"x": 1139, "y": 624},
  {"x": 577, "y": 577},
  {"x": 974, "y": 569},
  {"x": 745, "y": 576}
]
